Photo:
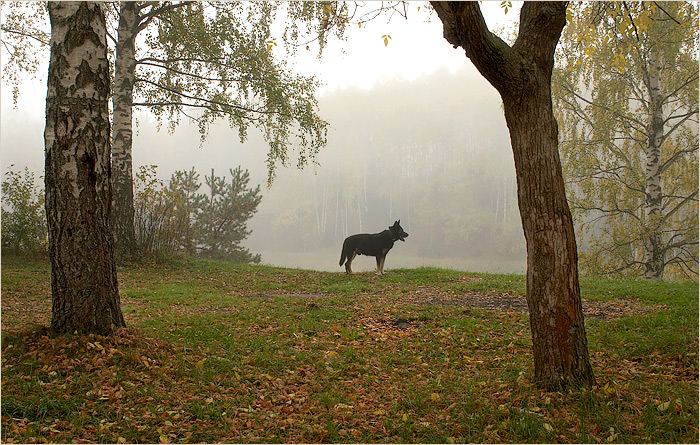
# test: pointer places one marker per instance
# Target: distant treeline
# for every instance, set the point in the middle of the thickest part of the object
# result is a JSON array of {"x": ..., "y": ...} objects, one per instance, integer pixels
[{"x": 440, "y": 164}]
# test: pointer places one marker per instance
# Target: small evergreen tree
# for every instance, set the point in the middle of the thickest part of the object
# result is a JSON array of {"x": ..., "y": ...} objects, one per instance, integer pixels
[
  {"x": 187, "y": 207},
  {"x": 174, "y": 218},
  {"x": 225, "y": 212}
]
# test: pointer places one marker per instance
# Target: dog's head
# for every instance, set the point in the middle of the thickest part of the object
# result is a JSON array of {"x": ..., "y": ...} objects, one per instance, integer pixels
[{"x": 397, "y": 233}]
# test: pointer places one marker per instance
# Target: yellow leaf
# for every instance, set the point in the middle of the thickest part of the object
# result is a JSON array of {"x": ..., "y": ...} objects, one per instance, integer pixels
[
  {"x": 200, "y": 364},
  {"x": 548, "y": 427},
  {"x": 404, "y": 417},
  {"x": 664, "y": 406},
  {"x": 434, "y": 397},
  {"x": 609, "y": 390},
  {"x": 379, "y": 412},
  {"x": 121, "y": 439},
  {"x": 99, "y": 347},
  {"x": 386, "y": 38}
]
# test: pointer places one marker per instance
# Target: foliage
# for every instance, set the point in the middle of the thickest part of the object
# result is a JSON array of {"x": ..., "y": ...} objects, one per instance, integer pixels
[
  {"x": 222, "y": 352},
  {"x": 202, "y": 61},
  {"x": 174, "y": 218},
  {"x": 208, "y": 61},
  {"x": 183, "y": 187},
  {"x": 153, "y": 212},
  {"x": 23, "y": 213},
  {"x": 606, "y": 109},
  {"x": 224, "y": 212},
  {"x": 24, "y": 38}
]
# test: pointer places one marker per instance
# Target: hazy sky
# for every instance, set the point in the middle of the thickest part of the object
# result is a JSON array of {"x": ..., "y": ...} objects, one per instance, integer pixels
[{"x": 416, "y": 48}]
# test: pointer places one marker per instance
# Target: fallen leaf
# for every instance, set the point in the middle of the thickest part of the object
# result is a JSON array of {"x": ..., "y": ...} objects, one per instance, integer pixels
[{"x": 663, "y": 406}]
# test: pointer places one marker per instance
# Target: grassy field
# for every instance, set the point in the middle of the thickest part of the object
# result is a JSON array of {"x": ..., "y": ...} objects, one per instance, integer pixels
[{"x": 218, "y": 352}]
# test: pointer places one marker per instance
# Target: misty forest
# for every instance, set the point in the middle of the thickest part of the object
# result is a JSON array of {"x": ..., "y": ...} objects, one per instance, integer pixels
[{"x": 174, "y": 206}]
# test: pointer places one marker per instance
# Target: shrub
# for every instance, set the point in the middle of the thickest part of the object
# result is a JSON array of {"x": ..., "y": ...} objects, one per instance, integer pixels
[{"x": 23, "y": 213}]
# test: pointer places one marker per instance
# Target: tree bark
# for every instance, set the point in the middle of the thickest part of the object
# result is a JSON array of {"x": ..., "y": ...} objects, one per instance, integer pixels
[
  {"x": 84, "y": 290},
  {"x": 122, "y": 133},
  {"x": 653, "y": 251},
  {"x": 522, "y": 76}
]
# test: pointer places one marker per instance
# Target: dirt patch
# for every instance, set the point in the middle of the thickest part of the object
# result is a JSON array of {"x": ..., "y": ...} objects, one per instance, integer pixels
[
  {"x": 294, "y": 295},
  {"x": 591, "y": 309}
]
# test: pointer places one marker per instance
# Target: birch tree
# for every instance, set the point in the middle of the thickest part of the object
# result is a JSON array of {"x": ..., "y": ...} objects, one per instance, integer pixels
[
  {"x": 84, "y": 290},
  {"x": 627, "y": 95}
]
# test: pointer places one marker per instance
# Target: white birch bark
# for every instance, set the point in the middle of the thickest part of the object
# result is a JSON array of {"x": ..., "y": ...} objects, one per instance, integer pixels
[
  {"x": 122, "y": 132},
  {"x": 653, "y": 253},
  {"x": 84, "y": 289}
]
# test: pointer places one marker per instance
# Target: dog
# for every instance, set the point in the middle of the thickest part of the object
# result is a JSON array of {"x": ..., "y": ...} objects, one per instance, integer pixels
[{"x": 371, "y": 244}]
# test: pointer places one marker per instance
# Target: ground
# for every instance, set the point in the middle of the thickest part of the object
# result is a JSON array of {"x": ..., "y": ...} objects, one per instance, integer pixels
[{"x": 216, "y": 352}]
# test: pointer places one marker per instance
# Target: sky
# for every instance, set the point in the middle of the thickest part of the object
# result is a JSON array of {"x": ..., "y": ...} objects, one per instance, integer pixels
[{"x": 416, "y": 49}]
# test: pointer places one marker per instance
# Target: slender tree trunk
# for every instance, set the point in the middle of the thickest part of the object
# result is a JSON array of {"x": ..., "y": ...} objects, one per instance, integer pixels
[
  {"x": 84, "y": 290},
  {"x": 522, "y": 75},
  {"x": 122, "y": 133},
  {"x": 653, "y": 253}
]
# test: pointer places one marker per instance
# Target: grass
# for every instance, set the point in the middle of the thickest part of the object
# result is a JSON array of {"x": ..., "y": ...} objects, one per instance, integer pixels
[{"x": 240, "y": 353}]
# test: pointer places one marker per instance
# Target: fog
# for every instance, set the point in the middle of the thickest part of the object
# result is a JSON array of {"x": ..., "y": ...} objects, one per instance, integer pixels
[{"x": 433, "y": 152}]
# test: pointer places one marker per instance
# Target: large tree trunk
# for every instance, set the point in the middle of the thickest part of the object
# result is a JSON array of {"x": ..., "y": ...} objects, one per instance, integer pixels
[
  {"x": 522, "y": 75},
  {"x": 122, "y": 133},
  {"x": 85, "y": 295},
  {"x": 556, "y": 318},
  {"x": 653, "y": 251}
]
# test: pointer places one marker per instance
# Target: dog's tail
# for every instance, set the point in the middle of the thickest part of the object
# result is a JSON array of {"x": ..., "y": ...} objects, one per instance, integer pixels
[{"x": 343, "y": 256}]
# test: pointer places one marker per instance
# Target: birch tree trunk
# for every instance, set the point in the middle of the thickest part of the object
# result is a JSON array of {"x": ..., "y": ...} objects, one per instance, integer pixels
[
  {"x": 84, "y": 290},
  {"x": 122, "y": 133},
  {"x": 653, "y": 251},
  {"x": 522, "y": 76}
]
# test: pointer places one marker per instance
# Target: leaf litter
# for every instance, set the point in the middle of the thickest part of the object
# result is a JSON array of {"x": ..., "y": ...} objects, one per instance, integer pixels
[{"x": 388, "y": 372}]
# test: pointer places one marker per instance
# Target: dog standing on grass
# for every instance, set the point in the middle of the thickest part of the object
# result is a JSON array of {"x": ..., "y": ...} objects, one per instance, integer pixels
[{"x": 371, "y": 244}]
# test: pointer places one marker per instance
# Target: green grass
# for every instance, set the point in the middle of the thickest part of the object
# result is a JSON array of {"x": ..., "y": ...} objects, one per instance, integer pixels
[{"x": 242, "y": 353}]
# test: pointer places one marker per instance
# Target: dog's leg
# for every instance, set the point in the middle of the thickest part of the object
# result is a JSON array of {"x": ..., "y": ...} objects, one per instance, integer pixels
[
  {"x": 381, "y": 264},
  {"x": 348, "y": 268}
]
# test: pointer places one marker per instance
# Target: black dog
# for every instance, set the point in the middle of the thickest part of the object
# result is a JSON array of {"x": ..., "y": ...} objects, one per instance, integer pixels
[{"x": 374, "y": 244}]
